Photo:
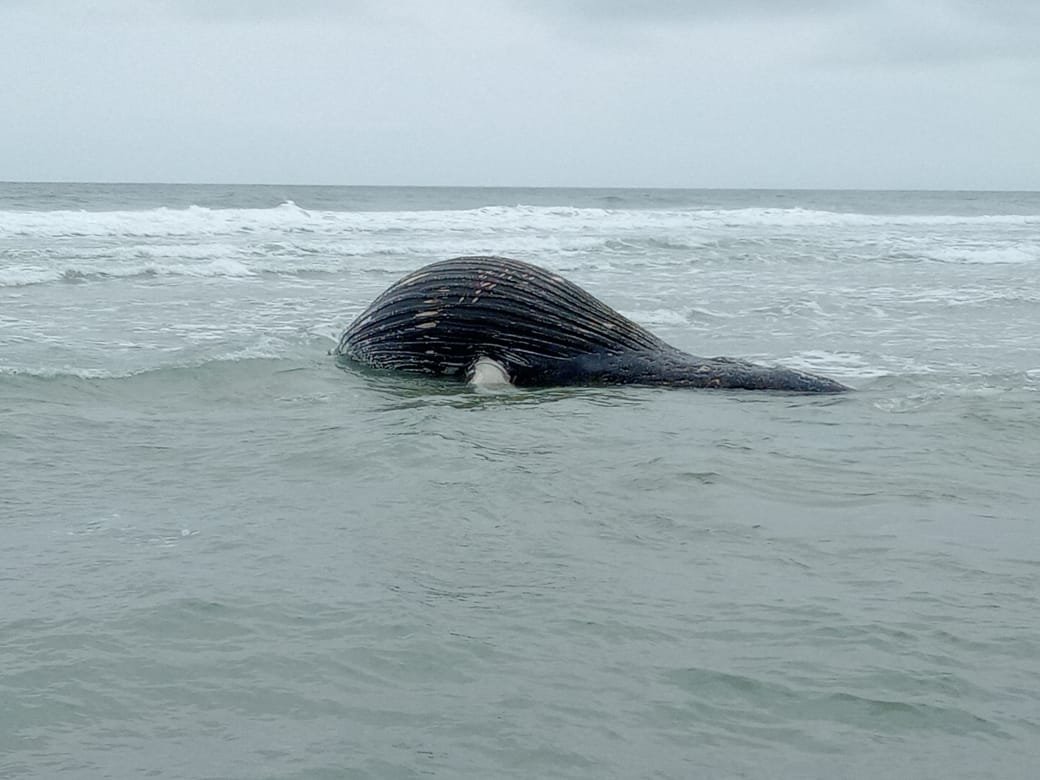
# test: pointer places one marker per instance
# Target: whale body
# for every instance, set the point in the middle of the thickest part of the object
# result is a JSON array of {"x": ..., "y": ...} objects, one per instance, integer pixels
[{"x": 499, "y": 320}]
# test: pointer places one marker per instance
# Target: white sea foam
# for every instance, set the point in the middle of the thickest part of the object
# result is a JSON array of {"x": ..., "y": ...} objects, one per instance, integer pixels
[
  {"x": 220, "y": 266},
  {"x": 254, "y": 352},
  {"x": 1022, "y": 253},
  {"x": 852, "y": 365},
  {"x": 658, "y": 317},
  {"x": 22, "y": 275},
  {"x": 289, "y": 218},
  {"x": 54, "y": 372},
  {"x": 197, "y": 241}
]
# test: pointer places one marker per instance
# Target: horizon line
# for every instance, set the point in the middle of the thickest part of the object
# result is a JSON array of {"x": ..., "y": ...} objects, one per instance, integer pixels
[{"x": 514, "y": 186}]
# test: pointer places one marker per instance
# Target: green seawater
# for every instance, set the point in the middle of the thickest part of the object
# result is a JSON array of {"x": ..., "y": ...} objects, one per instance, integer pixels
[{"x": 226, "y": 556}]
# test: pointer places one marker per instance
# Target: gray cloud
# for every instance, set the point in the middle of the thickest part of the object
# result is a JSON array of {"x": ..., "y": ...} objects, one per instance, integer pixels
[
  {"x": 941, "y": 33},
  {"x": 868, "y": 31},
  {"x": 939, "y": 93}
]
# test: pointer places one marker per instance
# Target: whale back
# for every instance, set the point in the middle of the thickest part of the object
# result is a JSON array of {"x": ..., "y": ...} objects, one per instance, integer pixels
[{"x": 443, "y": 317}]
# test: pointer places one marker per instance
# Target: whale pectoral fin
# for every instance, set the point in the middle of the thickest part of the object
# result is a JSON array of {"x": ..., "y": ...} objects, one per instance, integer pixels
[{"x": 486, "y": 372}]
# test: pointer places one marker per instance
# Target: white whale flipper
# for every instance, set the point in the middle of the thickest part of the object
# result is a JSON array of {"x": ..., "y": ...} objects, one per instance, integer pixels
[{"x": 488, "y": 373}]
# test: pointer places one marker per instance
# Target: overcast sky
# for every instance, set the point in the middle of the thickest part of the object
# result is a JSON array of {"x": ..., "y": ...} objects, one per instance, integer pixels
[{"x": 690, "y": 93}]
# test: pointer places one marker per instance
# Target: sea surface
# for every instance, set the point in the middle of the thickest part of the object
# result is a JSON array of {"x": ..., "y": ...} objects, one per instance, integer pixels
[{"x": 226, "y": 556}]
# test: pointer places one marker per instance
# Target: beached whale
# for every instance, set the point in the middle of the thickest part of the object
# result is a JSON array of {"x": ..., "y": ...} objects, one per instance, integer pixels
[{"x": 492, "y": 320}]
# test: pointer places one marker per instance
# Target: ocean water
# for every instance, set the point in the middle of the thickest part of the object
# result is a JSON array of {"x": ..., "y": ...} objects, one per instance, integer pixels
[{"x": 224, "y": 556}]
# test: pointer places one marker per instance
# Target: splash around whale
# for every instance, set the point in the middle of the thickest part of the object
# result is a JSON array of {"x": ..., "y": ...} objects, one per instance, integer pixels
[{"x": 494, "y": 320}]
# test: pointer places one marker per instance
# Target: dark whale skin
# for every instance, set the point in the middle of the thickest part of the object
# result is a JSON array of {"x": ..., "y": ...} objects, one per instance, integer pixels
[{"x": 541, "y": 328}]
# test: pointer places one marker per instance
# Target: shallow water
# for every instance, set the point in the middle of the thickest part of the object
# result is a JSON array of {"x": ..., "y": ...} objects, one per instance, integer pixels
[{"x": 229, "y": 557}]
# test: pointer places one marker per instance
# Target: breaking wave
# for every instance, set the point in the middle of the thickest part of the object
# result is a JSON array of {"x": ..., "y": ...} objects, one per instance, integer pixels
[
  {"x": 288, "y": 218},
  {"x": 41, "y": 247}
]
